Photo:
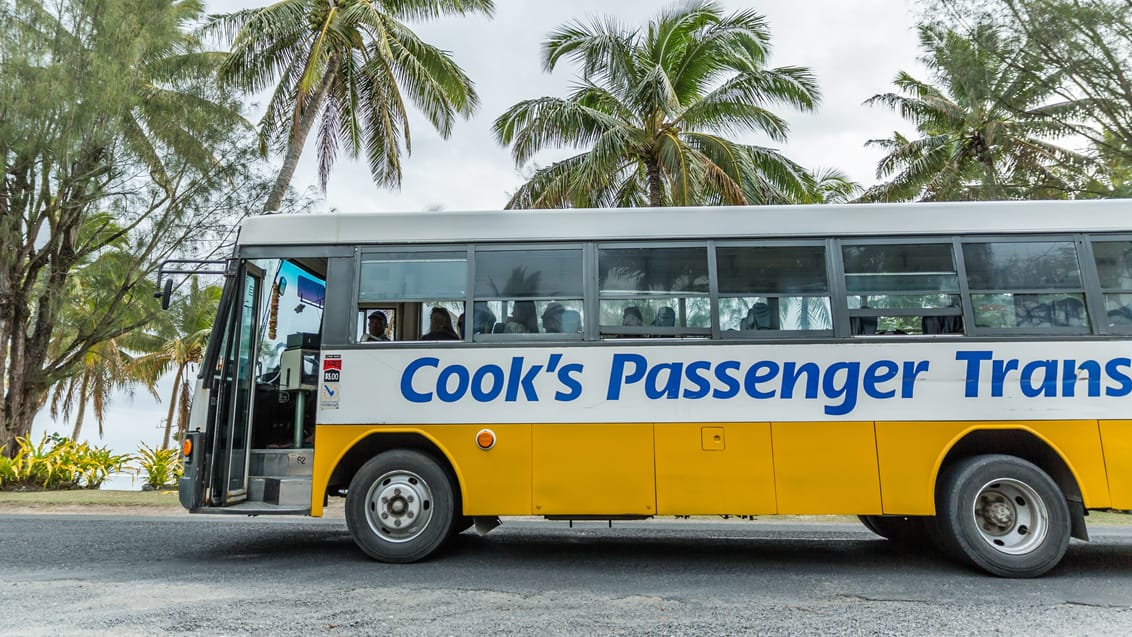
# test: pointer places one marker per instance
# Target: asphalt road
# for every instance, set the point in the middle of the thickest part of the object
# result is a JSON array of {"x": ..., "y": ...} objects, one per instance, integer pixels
[{"x": 206, "y": 575}]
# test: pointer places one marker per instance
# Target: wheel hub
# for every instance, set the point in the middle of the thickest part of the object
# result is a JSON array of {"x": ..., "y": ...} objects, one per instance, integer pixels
[
  {"x": 399, "y": 506},
  {"x": 1010, "y": 516}
]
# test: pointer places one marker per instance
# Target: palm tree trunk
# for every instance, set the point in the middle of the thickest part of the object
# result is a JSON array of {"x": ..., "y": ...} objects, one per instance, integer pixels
[
  {"x": 299, "y": 139},
  {"x": 82, "y": 408},
  {"x": 652, "y": 167},
  {"x": 172, "y": 406}
]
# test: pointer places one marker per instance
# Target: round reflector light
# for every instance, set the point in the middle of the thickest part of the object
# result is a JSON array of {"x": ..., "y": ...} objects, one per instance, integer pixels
[{"x": 485, "y": 439}]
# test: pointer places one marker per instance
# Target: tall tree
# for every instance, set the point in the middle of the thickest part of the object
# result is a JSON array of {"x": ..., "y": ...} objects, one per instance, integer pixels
[
  {"x": 348, "y": 65},
  {"x": 653, "y": 109},
  {"x": 1089, "y": 41},
  {"x": 177, "y": 344},
  {"x": 984, "y": 130},
  {"x": 111, "y": 133}
]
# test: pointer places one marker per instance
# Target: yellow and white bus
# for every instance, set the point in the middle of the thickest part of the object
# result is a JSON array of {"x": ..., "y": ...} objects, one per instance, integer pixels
[{"x": 959, "y": 372}]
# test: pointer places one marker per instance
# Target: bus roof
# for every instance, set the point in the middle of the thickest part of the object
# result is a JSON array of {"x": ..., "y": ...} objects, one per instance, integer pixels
[{"x": 1054, "y": 217}]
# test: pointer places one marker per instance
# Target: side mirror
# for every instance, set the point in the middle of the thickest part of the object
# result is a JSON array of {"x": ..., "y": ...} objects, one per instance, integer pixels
[{"x": 166, "y": 294}]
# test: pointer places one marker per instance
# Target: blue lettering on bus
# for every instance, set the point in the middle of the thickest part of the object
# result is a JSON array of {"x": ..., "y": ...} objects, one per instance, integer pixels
[{"x": 840, "y": 383}]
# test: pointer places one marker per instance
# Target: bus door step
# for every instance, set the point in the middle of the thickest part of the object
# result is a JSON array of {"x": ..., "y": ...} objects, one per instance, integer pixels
[{"x": 284, "y": 491}]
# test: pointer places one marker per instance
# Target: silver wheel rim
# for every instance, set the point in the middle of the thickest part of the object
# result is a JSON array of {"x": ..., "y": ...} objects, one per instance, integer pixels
[
  {"x": 399, "y": 506},
  {"x": 1010, "y": 516}
]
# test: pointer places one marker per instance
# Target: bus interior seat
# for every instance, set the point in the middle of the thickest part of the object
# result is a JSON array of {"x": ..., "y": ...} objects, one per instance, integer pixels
[
  {"x": 758, "y": 318},
  {"x": 946, "y": 324},
  {"x": 571, "y": 322},
  {"x": 1120, "y": 316},
  {"x": 862, "y": 325},
  {"x": 498, "y": 329},
  {"x": 1067, "y": 312}
]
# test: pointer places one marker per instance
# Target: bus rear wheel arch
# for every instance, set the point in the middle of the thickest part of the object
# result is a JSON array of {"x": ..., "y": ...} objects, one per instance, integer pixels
[
  {"x": 400, "y": 506},
  {"x": 1002, "y": 514}
]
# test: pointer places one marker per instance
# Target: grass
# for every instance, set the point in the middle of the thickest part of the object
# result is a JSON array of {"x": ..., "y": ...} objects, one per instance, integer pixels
[{"x": 88, "y": 497}]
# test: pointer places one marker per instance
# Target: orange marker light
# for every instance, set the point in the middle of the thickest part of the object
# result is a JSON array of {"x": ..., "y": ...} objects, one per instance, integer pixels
[
  {"x": 187, "y": 447},
  {"x": 485, "y": 439}
]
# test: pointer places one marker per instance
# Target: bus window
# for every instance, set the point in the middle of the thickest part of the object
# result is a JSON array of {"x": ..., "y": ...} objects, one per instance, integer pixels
[
  {"x": 406, "y": 287},
  {"x": 902, "y": 288},
  {"x": 1114, "y": 267},
  {"x": 778, "y": 288},
  {"x": 654, "y": 292},
  {"x": 530, "y": 291},
  {"x": 1025, "y": 284}
]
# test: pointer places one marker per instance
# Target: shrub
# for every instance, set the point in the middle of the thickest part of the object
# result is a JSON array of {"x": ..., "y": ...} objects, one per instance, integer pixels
[
  {"x": 162, "y": 467},
  {"x": 57, "y": 463}
]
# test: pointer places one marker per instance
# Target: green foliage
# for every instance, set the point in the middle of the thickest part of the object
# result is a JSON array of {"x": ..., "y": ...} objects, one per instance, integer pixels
[
  {"x": 162, "y": 467},
  {"x": 116, "y": 148},
  {"x": 58, "y": 463},
  {"x": 348, "y": 65},
  {"x": 985, "y": 127},
  {"x": 653, "y": 110}
]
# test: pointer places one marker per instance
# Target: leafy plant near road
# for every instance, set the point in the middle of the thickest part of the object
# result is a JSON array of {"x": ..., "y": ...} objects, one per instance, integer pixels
[
  {"x": 58, "y": 463},
  {"x": 162, "y": 467}
]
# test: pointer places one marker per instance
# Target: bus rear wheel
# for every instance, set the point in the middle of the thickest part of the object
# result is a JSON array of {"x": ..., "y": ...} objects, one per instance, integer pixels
[
  {"x": 400, "y": 506},
  {"x": 1003, "y": 515}
]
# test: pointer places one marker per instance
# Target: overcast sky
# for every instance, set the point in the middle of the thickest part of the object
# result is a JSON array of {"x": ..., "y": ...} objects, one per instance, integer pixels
[{"x": 854, "y": 47}]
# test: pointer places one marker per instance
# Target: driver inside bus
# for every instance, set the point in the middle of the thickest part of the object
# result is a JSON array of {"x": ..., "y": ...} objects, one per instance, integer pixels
[{"x": 377, "y": 328}]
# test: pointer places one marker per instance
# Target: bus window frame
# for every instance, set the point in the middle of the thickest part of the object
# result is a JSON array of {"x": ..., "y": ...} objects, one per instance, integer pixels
[
  {"x": 1090, "y": 327},
  {"x": 539, "y": 337},
  {"x": 604, "y": 332},
  {"x": 360, "y": 307},
  {"x": 1095, "y": 302},
  {"x": 718, "y": 333}
]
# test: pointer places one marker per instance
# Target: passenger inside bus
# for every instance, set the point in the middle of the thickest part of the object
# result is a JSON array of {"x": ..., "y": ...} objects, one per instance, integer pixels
[
  {"x": 523, "y": 319},
  {"x": 378, "y": 327},
  {"x": 440, "y": 326},
  {"x": 631, "y": 317},
  {"x": 552, "y": 318},
  {"x": 665, "y": 317}
]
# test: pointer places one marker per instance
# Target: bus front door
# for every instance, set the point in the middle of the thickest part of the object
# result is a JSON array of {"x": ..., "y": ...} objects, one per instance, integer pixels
[{"x": 234, "y": 391}]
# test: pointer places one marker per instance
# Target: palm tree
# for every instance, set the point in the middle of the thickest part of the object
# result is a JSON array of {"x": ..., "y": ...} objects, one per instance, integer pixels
[
  {"x": 348, "y": 64},
  {"x": 983, "y": 129},
  {"x": 177, "y": 345},
  {"x": 652, "y": 108}
]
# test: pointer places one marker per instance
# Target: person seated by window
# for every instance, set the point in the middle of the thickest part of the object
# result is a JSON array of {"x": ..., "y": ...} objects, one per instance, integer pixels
[
  {"x": 483, "y": 319},
  {"x": 440, "y": 326},
  {"x": 665, "y": 317},
  {"x": 552, "y": 318},
  {"x": 378, "y": 325},
  {"x": 523, "y": 319},
  {"x": 631, "y": 317}
]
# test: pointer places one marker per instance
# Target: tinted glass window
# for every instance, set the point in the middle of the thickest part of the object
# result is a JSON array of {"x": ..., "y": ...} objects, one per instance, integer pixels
[
  {"x": 1114, "y": 263},
  {"x": 635, "y": 270},
  {"x": 771, "y": 269},
  {"x": 1029, "y": 265},
  {"x": 515, "y": 274},
  {"x": 414, "y": 276},
  {"x": 900, "y": 268}
]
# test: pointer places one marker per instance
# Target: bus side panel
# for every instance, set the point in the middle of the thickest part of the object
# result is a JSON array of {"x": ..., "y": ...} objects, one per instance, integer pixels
[
  {"x": 1079, "y": 443},
  {"x": 909, "y": 455},
  {"x": 714, "y": 468},
  {"x": 593, "y": 469},
  {"x": 1116, "y": 436},
  {"x": 494, "y": 482},
  {"x": 826, "y": 468}
]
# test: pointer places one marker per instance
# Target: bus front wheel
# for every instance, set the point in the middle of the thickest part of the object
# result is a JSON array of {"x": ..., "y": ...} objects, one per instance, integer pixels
[
  {"x": 1002, "y": 514},
  {"x": 400, "y": 506}
]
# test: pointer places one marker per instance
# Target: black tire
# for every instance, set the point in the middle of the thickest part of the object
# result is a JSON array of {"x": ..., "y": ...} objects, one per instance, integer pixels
[
  {"x": 1003, "y": 515},
  {"x": 400, "y": 507},
  {"x": 907, "y": 530}
]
